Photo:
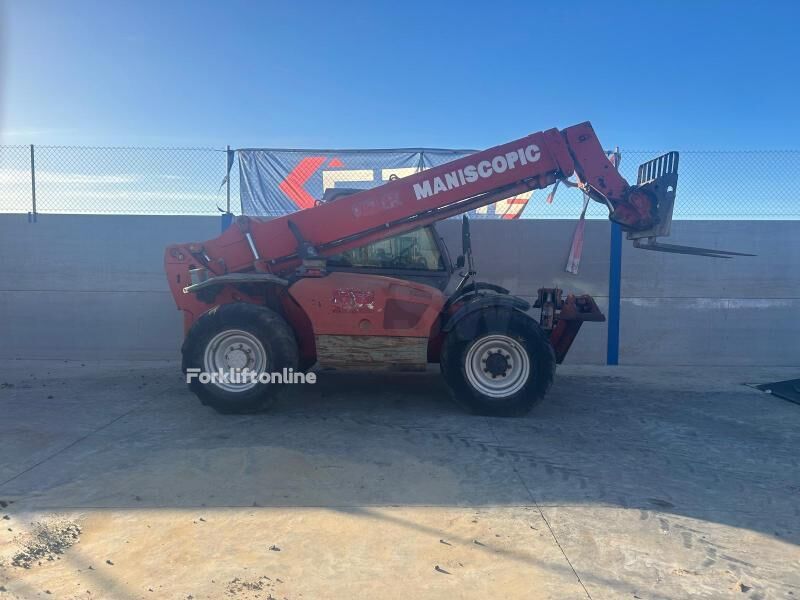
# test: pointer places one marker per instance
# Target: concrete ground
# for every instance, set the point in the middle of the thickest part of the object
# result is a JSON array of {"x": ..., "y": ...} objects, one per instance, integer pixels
[{"x": 642, "y": 483}]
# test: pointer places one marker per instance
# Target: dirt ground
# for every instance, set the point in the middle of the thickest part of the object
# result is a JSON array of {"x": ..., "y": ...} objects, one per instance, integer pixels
[{"x": 636, "y": 483}]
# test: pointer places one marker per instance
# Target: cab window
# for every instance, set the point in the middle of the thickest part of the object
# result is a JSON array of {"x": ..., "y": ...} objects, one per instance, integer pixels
[{"x": 415, "y": 250}]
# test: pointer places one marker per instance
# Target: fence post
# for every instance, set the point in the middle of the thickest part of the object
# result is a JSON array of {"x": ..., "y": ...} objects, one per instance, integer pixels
[
  {"x": 227, "y": 217},
  {"x": 228, "y": 178},
  {"x": 32, "y": 214}
]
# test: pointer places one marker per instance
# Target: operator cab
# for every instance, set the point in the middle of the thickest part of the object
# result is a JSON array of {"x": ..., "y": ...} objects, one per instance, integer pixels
[{"x": 419, "y": 255}]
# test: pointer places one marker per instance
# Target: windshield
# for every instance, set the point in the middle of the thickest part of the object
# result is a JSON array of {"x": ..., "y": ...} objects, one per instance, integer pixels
[{"x": 415, "y": 250}]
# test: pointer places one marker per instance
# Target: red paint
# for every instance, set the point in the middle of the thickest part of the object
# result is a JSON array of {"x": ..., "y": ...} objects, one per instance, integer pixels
[
  {"x": 340, "y": 303},
  {"x": 352, "y": 300}
]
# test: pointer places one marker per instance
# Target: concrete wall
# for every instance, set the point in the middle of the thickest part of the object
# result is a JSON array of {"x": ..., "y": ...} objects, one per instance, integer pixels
[
  {"x": 676, "y": 309},
  {"x": 523, "y": 256},
  {"x": 77, "y": 286},
  {"x": 93, "y": 287}
]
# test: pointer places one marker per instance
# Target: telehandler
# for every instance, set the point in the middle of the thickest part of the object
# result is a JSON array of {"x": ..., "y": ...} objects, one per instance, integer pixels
[{"x": 362, "y": 280}]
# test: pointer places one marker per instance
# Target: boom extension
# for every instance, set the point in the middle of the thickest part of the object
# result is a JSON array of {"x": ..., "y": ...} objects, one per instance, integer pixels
[{"x": 532, "y": 162}]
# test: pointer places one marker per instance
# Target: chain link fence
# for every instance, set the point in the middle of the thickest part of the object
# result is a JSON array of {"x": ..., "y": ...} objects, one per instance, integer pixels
[
  {"x": 189, "y": 181},
  {"x": 112, "y": 180}
]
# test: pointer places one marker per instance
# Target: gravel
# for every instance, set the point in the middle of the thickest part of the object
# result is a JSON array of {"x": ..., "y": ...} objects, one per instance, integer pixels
[{"x": 47, "y": 539}]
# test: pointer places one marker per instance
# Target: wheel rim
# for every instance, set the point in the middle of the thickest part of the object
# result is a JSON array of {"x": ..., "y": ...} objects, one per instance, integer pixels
[
  {"x": 497, "y": 366},
  {"x": 234, "y": 350}
]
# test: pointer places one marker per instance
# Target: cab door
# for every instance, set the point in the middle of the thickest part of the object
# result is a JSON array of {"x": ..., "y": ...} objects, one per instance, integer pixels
[{"x": 361, "y": 320}]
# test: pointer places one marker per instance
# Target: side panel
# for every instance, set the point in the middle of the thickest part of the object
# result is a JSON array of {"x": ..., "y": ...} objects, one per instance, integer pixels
[{"x": 367, "y": 320}]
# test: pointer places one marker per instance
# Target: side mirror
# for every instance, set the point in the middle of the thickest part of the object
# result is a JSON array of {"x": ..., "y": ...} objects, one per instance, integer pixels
[
  {"x": 466, "y": 242},
  {"x": 460, "y": 262}
]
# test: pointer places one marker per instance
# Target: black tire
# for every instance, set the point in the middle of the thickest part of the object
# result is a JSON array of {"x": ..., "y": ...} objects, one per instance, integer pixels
[
  {"x": 267, "y": 327},
  {"x": 478, "y": 330}
]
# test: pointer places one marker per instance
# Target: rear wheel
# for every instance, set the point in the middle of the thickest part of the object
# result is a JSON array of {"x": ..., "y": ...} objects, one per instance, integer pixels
[
  {"x": 232, "y": 338},
  {"x": 498, "y": 362}
]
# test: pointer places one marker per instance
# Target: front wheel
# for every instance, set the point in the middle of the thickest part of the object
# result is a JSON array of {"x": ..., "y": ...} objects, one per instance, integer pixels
[
  {"x": 233, "y": 338},
  {"x": 498, "y": 363}
]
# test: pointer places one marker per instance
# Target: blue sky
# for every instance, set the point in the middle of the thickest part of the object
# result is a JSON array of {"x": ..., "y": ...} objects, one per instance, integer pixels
[{"x": 650, "y": 75}]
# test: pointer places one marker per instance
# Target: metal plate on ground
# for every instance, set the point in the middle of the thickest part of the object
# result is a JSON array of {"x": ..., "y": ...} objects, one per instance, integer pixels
[{"x": 788, "y": 390}]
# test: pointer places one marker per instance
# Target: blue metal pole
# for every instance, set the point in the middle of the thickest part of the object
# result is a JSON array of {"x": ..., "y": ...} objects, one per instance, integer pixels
[
  {"x": 614, "y": 293},
  {"x": 227, "y": 219}
]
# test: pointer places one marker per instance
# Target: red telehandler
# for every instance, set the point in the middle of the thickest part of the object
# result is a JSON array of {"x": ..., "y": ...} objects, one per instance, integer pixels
[{"x": 364, "y": 281}]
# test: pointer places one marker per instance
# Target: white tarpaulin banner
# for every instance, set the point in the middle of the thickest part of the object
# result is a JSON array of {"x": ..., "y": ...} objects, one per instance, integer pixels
[{"x": 278, "y": 182}]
